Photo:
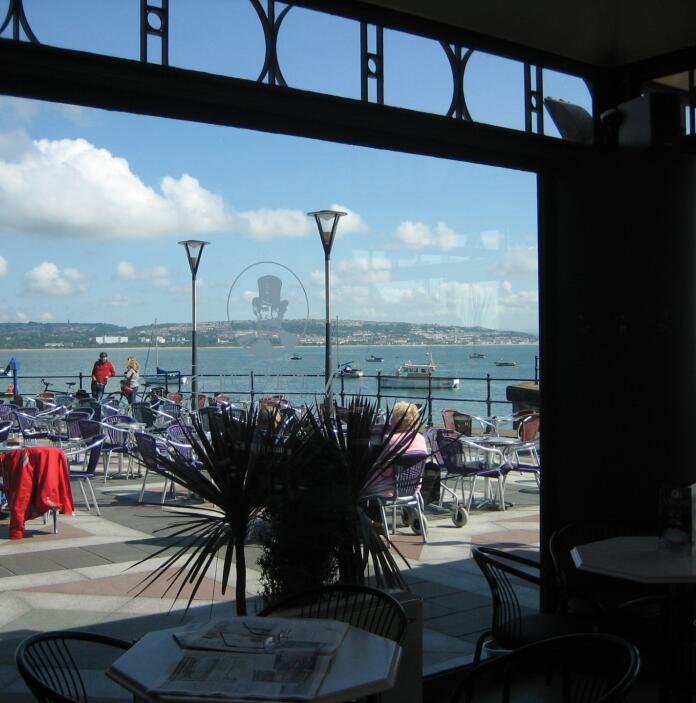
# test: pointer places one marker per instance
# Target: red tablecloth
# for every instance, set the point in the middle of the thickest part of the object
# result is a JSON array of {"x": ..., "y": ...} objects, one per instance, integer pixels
[{"x": 36, "y": 479}]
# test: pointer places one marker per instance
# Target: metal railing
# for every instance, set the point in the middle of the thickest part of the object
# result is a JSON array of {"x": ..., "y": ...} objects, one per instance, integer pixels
[{"x": 254, "y": 386}]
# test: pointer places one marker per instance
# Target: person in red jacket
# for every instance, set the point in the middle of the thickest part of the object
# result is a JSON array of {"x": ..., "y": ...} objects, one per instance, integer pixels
[{"x": 102, "y": 371}]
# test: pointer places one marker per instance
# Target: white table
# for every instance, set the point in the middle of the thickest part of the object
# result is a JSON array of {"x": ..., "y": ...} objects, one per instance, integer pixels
[{"x": 364, "y": 664}]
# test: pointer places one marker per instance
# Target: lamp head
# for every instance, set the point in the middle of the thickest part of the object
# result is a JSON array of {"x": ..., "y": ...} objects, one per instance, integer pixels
[
  {"x": 327, "y": 221},
  {"x": 194, "y": 249}
]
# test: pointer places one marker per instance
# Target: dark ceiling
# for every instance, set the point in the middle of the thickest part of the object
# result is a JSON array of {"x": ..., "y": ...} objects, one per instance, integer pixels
[{"x": 606, "y": 33}]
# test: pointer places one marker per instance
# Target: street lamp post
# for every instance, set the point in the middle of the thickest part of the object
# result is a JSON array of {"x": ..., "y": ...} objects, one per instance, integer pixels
[
  {"x": 327, "y": 221},
  {"x": 194, "y": 249}
]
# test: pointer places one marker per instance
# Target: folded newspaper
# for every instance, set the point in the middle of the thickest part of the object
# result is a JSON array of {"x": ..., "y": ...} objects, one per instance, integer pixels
[
  {"x": 262, "y": 658},
  {"x": 249, "y": 634}
]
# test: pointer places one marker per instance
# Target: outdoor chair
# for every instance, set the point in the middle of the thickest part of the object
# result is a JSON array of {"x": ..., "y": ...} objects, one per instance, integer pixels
[
  {"x": 117, "y": 440},
  {"x": 67, "y": 428},
  {"x": 91, "y": 450},
  {"x": 62, "y": 666},
  {"x": 405, "y": 495},
  {"x": 509, "y": 577},
  {"x": 29, "y": 427},
  {"x": 578, "y": 668},
  {"x": 465, "y": 461},
  {"x": 362, "y": 606},
  {"x": 204, "y": 415},
  {"x": 471, "y": 425},
  {"x": 149, "y": 454},
  {"x": 94, "y": 405},
  {"x": 150, "y": 416}
]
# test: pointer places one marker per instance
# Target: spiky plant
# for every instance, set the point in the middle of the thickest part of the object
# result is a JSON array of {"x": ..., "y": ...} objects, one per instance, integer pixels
[
  {"x": 237, "y": 467},
  {"x": 319, "y": 517}
]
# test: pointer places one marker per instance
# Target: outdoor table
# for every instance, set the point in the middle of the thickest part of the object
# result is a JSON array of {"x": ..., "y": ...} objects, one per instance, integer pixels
[
  {"x": 643, "y": 560},
  {"x": 363, "y": 664}
]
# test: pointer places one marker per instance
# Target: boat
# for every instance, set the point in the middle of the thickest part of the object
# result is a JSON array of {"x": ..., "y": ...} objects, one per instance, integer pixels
[
  {"x": 348, "y": 371},
  {"x": 372, "y": 357},
  {"x": 477, "y": 355},
  {"x": 501, "y": 362},
  {"x": 295, "y": 357},
  {"x": 418, "y": 375}
]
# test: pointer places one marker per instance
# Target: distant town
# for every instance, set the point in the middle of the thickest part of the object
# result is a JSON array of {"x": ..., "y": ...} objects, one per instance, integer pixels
[{"x": 57, "y": 335}]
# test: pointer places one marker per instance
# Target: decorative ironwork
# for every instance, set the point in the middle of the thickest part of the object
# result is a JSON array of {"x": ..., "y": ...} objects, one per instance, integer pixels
[
  {"x": 458, "y": 58},
  {"x": 271, "y": 26},
  {"x": 154, "y": 22},
  {"x": 371, "y": 62},
  {"x": 533, "y": 99},
  {"x": 16, "y": 15}
]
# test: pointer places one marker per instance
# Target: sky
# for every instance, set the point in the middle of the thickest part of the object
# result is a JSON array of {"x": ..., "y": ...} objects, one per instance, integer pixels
[{"x": 93, "y": 203}]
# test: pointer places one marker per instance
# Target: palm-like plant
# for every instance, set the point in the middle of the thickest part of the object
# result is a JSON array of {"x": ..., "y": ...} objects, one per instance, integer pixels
[
  {"x": 234, "y": 473},
  {"x": 310, "y": 480}
]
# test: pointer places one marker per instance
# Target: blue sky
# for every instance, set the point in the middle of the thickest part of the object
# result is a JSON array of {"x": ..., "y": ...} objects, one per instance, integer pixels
[{"x": 93, "y": 203}]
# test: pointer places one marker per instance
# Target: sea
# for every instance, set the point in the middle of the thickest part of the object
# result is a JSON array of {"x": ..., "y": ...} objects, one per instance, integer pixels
[{"x": 229, "y": 370}]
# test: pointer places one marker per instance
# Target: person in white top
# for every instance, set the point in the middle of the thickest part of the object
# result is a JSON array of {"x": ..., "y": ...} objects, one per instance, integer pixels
[{"x": 131, "y": 379}]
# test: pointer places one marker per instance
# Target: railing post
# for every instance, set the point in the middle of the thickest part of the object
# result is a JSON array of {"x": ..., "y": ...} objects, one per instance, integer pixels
[
  {"x": 343, "y": 400},
  {"x": 430, "y": 399},
  {"x": 379, "y": 390},
  {"x": 536, "y": 370},
  {"x": 80, "y": 379},
  {"x": 251, "y": 386},
  {"x": 489, "y": 404}
]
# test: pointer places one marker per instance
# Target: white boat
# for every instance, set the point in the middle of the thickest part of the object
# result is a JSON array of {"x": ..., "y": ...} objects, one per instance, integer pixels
[
  {"x": 348, "y": 371},
  {"x": 501, "y": 362},
  {"x": 418, "y": 375}
]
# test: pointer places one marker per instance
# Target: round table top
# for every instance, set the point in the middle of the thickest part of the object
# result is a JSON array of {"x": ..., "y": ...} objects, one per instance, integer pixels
[{"x": 640, "y": 559}]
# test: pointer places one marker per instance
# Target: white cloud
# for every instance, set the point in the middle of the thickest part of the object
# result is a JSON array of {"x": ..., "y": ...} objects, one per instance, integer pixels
[
  {"x": 523, "y": 300},
  {"x": 418, "y": 235},
  {"x": 350, "y": 223},
  {"x": 118, "y": 301},
  {"x": 71, "y": 188},
  {"x": 394, "y": 296},
  {"x": 47, "y": 278},
  {"x": 517, "y": 261},
  {"x": 492, "y": 239},
  {"x": 3, "y": 266},
  {"x": 22, "y": 316},
  {"x": 157, "y": 276},
  {"x": 249, "y": 295},
  {"x": 356, "y": 295},
  {"x": 365, "y": 269},
  {"x": 46, "y": 317}
]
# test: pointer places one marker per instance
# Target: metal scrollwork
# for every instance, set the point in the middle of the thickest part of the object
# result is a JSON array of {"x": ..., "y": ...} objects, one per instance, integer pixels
[
  {"x": 533, "y": 99},
  {"x": 16, "y": 15},
  {"x": 271, "y": 26},
  {"x": 458, "y": 58},
  {"x": 159, "y": 13},
  {"x": 371, "y": 62}
]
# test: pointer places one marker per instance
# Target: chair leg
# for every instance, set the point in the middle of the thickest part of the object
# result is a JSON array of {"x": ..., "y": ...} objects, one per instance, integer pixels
[
  {"x": 54, "y": 513},
  {"x": 142, "y": 488},
  {"x": 94, "y": 498},
  {"x": 84, "y": 495},
  {"x": 421, "y": 515},
  {"x": 106, "y": 460}
]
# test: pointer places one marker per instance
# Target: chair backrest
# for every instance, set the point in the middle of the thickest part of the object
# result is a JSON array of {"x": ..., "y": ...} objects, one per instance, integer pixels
[
  {"x": 448, "y": 418},
  {"x": 89, "y": 428},
  {"x": 463, "y": 423},
  {"x": 204, "y": 415},
  {"x": 408, "y": 470},
  {"x": 5, "y": 429},
  {"x": 529, "y": 426},
  {"x": 448, "y": 450},
  {"x": 500, "y": 572},
  {"x": 144, "y": 412},
  {"x": 580, "y": 668},
  {"x": 362, "y": 606},
  {"x": 179, "y": 440},
  {"x": 92, "y": 454},
  {"x": 94, "y": 405},
  {"x": 52, "y": 663},
  {"x": 147, "y": 448},
  {"x": 64, "y": 400},
  {"x": 114, "y": 434}
]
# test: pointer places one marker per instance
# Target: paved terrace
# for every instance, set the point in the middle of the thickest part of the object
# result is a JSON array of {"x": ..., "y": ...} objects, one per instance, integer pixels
[{"x": 86, "y": 576}]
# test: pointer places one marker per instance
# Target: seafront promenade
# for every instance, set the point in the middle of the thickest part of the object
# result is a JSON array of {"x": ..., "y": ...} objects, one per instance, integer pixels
[{"x": 86, "y": 576}]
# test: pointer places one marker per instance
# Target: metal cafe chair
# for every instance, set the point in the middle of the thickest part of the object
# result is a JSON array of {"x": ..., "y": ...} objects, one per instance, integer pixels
[
  {"x": 54, "y": 665},
  {"x": 91, "y": 449},
  {"x": 361, "y": 606},
  {"x": 576, "y": 668}
]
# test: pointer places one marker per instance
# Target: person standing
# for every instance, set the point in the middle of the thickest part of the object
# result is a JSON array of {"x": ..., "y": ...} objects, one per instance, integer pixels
[
  {"x": 102, "y": 371},
  {"x": 131, "y": 379}
]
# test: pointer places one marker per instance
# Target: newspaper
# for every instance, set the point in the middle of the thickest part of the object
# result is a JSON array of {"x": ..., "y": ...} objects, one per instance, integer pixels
[
  {"x": 263, "y": 658},
  {"x": 249, "y": 634},
  {"x": 284, "y": 674}
]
